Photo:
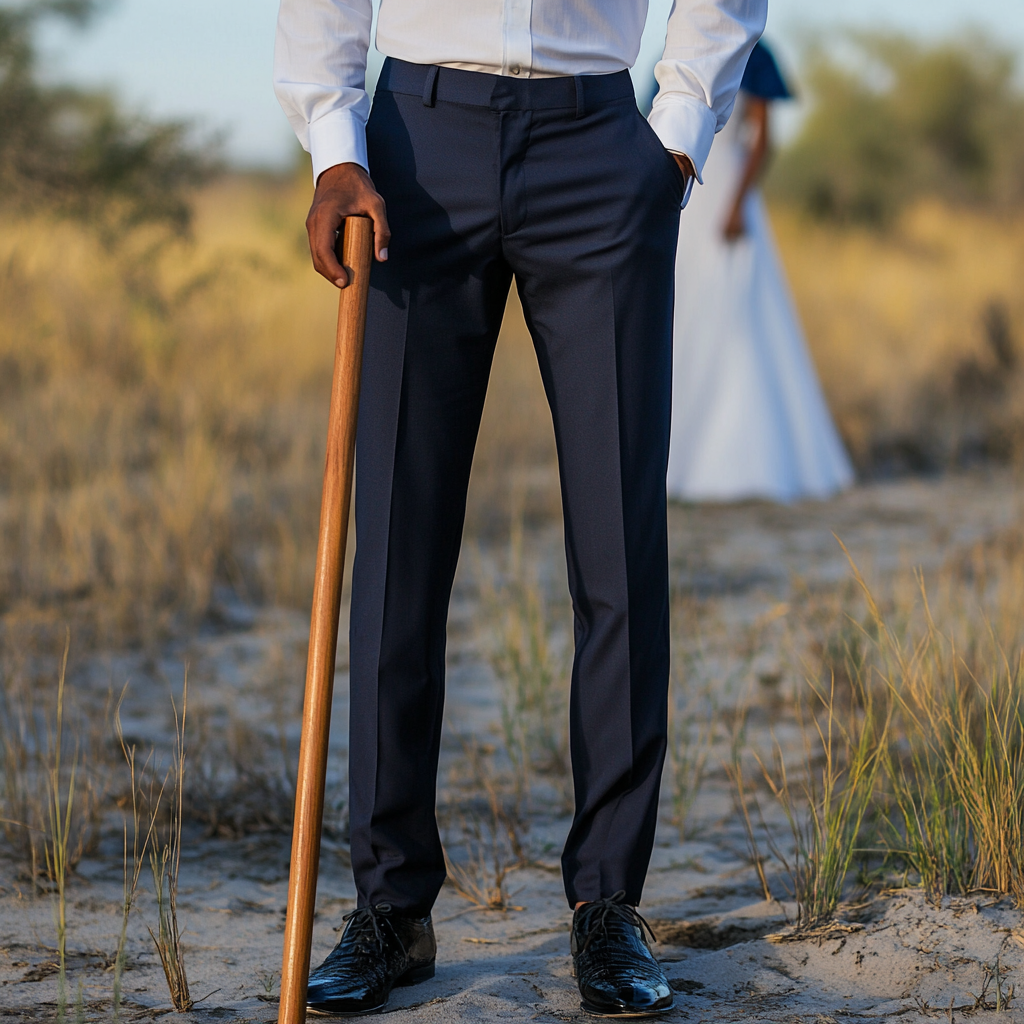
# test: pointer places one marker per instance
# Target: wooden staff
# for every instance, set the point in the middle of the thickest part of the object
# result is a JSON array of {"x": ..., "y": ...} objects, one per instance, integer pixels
[{"x": 357, "y": 252}]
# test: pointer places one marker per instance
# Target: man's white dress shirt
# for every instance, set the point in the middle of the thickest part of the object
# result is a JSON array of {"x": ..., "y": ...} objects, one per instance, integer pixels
[{"x": 320, "y": 58}]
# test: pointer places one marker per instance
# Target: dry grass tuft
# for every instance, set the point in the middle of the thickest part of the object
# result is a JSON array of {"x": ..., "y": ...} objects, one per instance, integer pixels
[
  {"x": 956, "y": 768},
  {"x": 239, "y": 779},
  {"x": 165, "y": 862},
  {"x": 915, "y": 751},
  {"x": 485, "y": 815},
  {"x": 827, "y": 805},
  {"x": 693, "y": 724},
  {"x": 35, "y": 721},
  {"x": 145, "y": 800},
  {"x": 531, "y": 659},
  {"x": 60, "y": 807}
]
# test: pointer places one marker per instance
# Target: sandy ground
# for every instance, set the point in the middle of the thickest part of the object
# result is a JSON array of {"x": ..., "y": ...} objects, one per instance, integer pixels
[{"x": 725, "y": 949}]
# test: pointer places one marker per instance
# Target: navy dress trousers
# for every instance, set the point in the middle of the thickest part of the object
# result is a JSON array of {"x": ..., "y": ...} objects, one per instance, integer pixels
[{"x": 562, "y": 185}]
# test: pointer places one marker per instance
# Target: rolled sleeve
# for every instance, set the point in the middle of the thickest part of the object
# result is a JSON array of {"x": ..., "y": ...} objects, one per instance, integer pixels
[
  {"x": 685, "y": 126},
  {"x": 338, "y": 137},
  {"x": 706, "y": 49}
]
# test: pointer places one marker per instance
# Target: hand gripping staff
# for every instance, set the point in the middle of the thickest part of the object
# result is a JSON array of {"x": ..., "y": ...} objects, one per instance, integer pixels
[{"x": 357, "y": 252}]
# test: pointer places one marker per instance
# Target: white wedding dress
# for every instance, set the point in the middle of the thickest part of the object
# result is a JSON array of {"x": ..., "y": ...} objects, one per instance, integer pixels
[{"x": 748, "y": 416}]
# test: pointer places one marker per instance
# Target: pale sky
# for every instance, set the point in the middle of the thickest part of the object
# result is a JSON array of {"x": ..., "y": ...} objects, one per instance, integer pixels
[{"x": 209, "y": 60}]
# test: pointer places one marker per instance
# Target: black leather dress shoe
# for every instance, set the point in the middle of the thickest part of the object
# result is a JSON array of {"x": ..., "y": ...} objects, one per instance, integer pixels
[
  {"x": 614, "y": 967},
  {"x": 378, "y": 951}
]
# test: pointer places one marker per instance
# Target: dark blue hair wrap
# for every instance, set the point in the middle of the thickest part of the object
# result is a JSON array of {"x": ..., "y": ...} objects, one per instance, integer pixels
[{"x": 762, "y": 77}]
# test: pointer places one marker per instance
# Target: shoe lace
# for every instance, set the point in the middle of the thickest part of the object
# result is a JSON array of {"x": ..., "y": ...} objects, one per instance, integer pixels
[
  {"x": 364, "y": 926},
  {"x": 595, "y": 917}
]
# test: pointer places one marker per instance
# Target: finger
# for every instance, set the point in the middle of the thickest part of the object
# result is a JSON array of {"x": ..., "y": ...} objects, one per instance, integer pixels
[
  {"x": 322, "y": 242},
  {"x": 381, "y": 230}
]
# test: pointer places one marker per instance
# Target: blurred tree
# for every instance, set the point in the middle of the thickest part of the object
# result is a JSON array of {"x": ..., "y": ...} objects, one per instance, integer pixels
[
  {"x": 75, "y": 152},
  {"x": 892, "y": 120}
]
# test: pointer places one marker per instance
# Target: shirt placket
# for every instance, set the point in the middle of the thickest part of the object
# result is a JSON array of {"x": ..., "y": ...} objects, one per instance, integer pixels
[{"x": 518, "y": 41}]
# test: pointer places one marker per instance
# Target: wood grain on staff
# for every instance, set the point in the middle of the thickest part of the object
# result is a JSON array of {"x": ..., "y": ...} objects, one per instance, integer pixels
[{"x": 357, "y": 252}]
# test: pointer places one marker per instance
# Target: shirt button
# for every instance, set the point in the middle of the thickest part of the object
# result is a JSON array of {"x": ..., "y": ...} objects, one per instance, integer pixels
[{"x": 515, "y": 69}]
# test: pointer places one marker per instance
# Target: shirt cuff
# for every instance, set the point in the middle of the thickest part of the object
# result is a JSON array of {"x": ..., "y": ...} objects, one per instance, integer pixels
[
  {"x": 338, "y": 137},
  {"x": 685, "y": 125}
]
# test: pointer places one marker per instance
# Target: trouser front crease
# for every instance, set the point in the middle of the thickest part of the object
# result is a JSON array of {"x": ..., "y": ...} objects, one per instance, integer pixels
[{"x": 581, "y": 207}]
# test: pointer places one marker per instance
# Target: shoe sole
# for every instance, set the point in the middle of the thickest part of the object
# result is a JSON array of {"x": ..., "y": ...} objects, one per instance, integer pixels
[
  {"x": 595, "y": 1012},
  {"x": 413, "y": 976}
]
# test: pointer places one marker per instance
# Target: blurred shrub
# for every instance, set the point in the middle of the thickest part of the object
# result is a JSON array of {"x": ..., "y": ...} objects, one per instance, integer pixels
[
  {"x": 893, "y": 120},
  {"x": 74, "y": 152},
  {"x": 161, "y": 416},
  {"x": 916, "y": 332}
]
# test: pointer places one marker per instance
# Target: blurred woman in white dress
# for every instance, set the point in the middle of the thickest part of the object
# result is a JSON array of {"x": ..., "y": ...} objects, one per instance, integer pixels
[{"x": 748, "y": 416}]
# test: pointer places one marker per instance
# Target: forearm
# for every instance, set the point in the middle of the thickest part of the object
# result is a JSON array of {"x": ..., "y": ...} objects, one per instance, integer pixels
[
  {"x": 757, "y": 155},
  {"x": 320, "y": 77},
  {"x": 706, "y": 49},
  {"x": 749, "y": 179}
]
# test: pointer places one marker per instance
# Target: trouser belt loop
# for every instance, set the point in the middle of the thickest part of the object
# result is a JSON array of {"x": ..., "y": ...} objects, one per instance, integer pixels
[
  {"x": 430, "y": 86},
  {"x": 581, "y": 101}
]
